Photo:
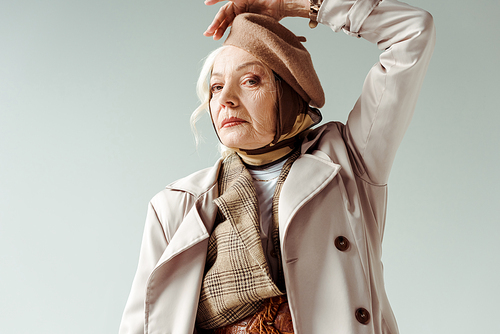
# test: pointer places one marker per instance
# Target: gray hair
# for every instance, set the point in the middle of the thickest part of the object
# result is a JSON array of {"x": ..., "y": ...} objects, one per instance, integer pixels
[{"x": 203, "y": 92}]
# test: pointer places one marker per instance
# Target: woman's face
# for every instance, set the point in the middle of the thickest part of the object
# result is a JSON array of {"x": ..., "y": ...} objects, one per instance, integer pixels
[{"x": 243, "y": 102}]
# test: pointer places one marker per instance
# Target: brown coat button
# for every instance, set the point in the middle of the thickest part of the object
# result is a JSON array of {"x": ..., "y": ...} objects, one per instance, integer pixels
[
  {"x": 273, "y": 253},
  {"x": 363, "y": 316},
  {"x": 342, "y": 243}
]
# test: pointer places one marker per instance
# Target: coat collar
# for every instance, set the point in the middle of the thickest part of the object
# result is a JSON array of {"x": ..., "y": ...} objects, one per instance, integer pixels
[
  {"x": 309, "y": 174},
  {"x": 199, "y": 182}
]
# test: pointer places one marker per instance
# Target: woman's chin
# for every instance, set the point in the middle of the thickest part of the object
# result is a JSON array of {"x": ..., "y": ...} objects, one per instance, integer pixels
[{"x": 243, "y": 140}]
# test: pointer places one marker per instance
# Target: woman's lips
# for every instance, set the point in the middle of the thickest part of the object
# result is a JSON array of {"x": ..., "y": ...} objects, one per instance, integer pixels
[{"x": 231, "y": 121}]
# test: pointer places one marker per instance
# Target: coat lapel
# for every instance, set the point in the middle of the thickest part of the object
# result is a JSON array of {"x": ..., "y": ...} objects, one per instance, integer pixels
[
  {"x": 190, "y": 232},
  {"x": 171, "y": 297},
  {"x": 198, "y": 222},
  {"x": 309, "y": 174}
]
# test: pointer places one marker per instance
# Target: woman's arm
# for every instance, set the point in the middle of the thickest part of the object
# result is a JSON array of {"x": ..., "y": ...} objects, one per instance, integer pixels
[
  {"x": 381, "y": 115},
  {"x": 406, "y": 34}
]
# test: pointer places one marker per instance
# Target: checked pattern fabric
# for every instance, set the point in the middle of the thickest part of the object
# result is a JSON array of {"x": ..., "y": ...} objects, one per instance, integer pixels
[{"x": 237, "y": 277}]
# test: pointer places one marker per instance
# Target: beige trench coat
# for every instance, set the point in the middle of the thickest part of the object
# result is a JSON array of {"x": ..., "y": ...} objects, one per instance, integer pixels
[{"x": 336, "y": 188}]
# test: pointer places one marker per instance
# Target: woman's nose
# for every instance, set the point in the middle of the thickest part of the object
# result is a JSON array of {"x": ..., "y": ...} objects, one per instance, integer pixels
[{"x": 228, "y": 97}]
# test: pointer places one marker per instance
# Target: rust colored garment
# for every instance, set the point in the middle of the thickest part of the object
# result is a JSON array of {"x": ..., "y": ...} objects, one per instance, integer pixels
[{"x": 273, "y": 317}]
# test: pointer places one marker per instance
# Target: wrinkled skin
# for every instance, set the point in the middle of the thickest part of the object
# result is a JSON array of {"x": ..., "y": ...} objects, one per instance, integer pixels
[{"x": 243, "y": 102}]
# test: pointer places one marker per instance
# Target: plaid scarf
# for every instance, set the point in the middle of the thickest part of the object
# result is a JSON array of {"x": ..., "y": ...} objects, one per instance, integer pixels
[{"x": 237, "y": 277}]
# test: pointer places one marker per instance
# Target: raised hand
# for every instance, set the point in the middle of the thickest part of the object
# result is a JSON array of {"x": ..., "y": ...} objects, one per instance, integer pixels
[{"x": 277, "y": 9}]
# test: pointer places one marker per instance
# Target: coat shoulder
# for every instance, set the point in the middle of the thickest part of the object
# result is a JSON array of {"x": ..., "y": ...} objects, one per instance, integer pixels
[{"x": 198, "y": 182}]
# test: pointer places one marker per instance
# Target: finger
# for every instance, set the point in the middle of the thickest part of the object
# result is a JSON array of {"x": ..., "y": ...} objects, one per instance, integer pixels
[
  {"x": 225, "y": 13},
  {"x": 228, "y": 20},
  {"x": 222, "y": 29},
  {"x": 212, "y": 2},
  {"x": 217, "y": 21}
]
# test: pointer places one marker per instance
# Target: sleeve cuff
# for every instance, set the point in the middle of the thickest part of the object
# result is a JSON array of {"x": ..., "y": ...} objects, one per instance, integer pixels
[{"x": 347, "y": 15}]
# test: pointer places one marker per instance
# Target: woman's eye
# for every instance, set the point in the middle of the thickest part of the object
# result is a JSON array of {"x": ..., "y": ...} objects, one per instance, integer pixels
[
  {"x": 215, "y": 88},
  {"x": 252, "y": 81}
]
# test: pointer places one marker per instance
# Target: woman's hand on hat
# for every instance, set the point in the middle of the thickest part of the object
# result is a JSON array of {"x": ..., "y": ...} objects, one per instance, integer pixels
[
  {"x": 277, "y": 9},
  {"x": 226, "y": 14}
]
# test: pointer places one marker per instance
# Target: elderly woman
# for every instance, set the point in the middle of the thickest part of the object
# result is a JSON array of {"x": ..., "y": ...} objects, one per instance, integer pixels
[{"x": 284, "y": 234}]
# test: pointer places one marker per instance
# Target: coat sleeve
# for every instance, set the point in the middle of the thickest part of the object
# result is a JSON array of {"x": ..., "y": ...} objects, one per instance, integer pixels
[
  {"x": 154, "y": 242},
  {"x": 380, "y": 117}
]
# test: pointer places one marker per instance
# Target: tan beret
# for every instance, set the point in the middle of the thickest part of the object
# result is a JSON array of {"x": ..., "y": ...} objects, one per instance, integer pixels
[{"x": 279, "y": 49}]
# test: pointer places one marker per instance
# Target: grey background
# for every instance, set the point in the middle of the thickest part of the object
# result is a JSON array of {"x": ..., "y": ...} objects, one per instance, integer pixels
[{"x": 95, "y": 98}]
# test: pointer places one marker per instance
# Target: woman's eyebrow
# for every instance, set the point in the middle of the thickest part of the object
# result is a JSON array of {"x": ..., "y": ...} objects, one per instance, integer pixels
[
  {"x": 250, "y": 63},
  {"x": 239, "y": 67}
]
